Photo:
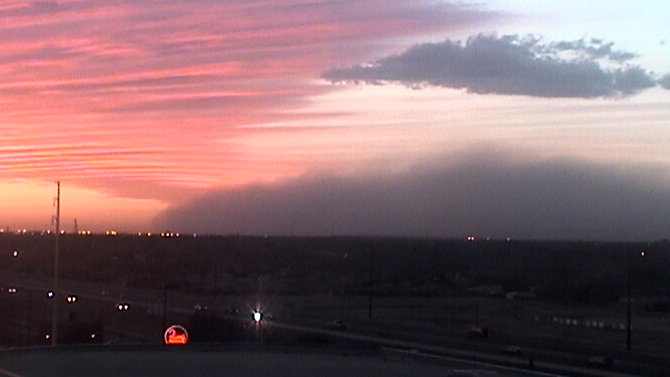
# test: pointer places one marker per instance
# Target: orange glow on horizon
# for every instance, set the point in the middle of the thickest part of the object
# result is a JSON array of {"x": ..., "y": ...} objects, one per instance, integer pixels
[{"x": 29, "y": 205}]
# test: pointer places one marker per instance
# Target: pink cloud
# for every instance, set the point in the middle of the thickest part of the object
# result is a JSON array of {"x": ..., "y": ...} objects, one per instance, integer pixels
[{"x": 143, "y": 99}]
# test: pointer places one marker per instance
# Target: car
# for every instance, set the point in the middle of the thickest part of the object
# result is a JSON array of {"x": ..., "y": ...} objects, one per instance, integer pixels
[
  {"x": 479, "y": 332},
  {"x": 513, "y": 350},
  {"x": 11, "y": 290},
  {"x": 337, "y": 325},
  {"x": 122, "y": 307},
  {"x": 71, "y": 299},
  {"x": 200, "y": 308},
  {"x": 601, "y": 361}
]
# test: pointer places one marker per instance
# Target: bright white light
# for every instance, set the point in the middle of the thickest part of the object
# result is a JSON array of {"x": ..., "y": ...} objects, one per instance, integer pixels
[{"x": 258, "y": 316}]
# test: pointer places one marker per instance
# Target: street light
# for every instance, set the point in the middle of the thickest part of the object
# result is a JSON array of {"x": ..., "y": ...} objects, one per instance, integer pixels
[
  {"x": 642, "y": 254},
  {"x": 258, "y": 316}
]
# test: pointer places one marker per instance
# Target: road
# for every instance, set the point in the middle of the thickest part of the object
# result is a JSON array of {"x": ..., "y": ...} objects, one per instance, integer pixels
[
  {"x": 235, "y": 360},
  {"x": 421, "y": 351},
  {"x": 139, "y": 326}
]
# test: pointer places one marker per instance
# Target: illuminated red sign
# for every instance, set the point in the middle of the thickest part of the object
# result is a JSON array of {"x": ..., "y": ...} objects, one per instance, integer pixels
[{"x": 175, "y": 334}]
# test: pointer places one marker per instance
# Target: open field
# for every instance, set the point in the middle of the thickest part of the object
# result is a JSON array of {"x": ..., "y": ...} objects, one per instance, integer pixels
[{"x": 544, "y": 300}]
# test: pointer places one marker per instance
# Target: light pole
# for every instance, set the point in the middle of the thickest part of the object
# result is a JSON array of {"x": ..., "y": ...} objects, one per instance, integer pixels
[
  {"x": 629, "y": 299},
  {"x": 165, "y": 307},
  {"x": 54, "y": 313},
  {"x": 628, "y": 303},
  {"x": 370, "y": 283},
  {"x": 258, "y": 319}
]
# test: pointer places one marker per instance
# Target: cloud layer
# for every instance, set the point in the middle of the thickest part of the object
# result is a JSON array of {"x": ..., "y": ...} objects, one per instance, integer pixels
[
  {"x": 150, "y": 94},
  {"x": 509, "y": 65},
  {"x": 665, "y": 81},
  {"x": 483, "y": 193}
]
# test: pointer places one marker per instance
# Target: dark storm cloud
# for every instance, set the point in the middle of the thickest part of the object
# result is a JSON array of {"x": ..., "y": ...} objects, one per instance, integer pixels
[
  {"x": 483, "y": 194},
  {"x": 665, "y": 82},
  {"x": 509, "y": 65}
]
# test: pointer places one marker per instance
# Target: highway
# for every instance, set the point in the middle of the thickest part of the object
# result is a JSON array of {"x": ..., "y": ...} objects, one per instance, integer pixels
[
  {"x": 136, "y": 326},
  {"x": 421, "y": 351},
  {"x": 237, "y": 360}
]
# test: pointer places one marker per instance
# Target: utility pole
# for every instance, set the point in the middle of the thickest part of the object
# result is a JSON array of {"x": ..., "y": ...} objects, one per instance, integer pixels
[
  {"x": 54, "y": 314},
  {"x": 370, "y": 283},
  {"x": 165, "y": 307},
  {"x": 628, "y": 306}
]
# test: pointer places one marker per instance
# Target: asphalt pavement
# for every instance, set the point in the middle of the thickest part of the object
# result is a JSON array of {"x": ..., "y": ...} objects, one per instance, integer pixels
[{"x": 239, "y": 360}]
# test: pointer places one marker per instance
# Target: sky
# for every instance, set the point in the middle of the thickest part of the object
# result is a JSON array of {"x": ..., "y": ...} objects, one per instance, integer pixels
[{"x": 529, "y": 119}]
